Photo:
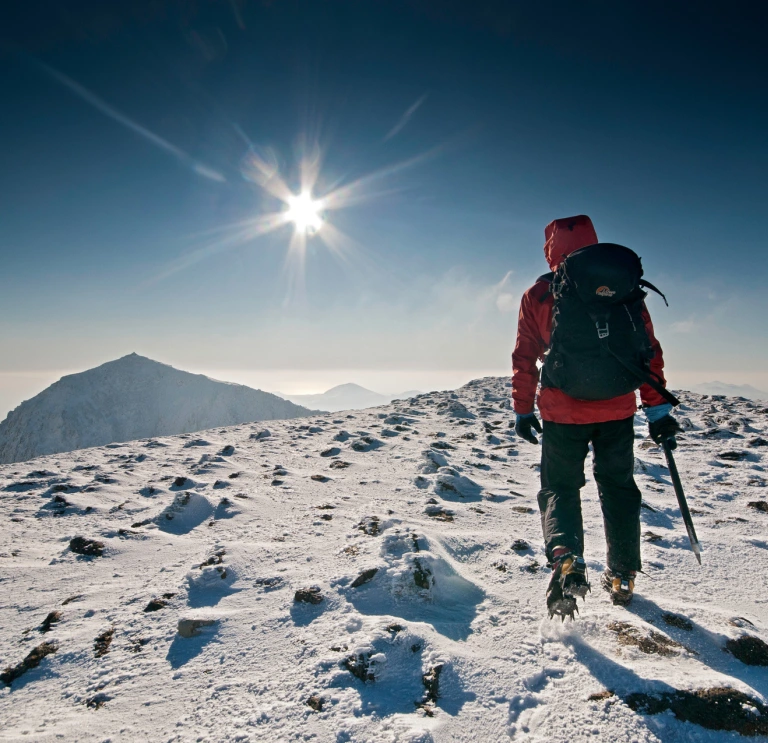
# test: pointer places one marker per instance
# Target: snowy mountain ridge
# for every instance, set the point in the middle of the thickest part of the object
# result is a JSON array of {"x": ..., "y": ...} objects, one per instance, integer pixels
[
  {"x": 130, "y": 398},
  {"x": 377, "y": 577},
  {"x": 730, "y": 390}
]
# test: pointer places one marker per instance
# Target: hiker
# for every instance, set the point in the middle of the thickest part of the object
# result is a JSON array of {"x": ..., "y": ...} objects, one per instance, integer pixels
[{"x": 591, "y": 411}]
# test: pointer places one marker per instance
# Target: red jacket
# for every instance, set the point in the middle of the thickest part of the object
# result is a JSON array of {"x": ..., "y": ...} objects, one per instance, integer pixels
[{"x": 563, "y": 236}]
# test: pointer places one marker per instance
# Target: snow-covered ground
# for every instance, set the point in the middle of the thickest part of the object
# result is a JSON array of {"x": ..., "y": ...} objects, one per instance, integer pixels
[{"x": 404, "y": 530}]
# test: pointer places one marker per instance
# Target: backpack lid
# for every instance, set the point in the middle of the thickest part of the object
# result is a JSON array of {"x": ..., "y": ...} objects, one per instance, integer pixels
[{"x": 601, "y": 274}]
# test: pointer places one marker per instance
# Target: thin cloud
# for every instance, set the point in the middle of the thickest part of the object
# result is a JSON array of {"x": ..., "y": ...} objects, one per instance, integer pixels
[
  {"x": 100, "y": 105},
  {"x": 405, "y": 118},
  {"x": 683, "y": 326}
]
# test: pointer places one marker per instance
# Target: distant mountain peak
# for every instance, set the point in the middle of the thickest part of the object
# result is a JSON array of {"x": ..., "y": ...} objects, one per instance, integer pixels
[
  {"x": 349, "y": 387},
  {"x": 129, "y": 398},
  {"x": 730, "y": 390},
  {"x": 348, "y": 396}
]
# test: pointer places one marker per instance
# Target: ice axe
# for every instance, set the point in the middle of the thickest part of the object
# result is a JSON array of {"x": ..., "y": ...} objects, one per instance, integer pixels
[{"x": 681, "y": 499}]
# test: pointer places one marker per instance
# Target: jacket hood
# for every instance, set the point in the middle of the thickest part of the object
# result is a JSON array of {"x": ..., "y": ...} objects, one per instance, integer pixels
[{"x": 563, "y": 236}]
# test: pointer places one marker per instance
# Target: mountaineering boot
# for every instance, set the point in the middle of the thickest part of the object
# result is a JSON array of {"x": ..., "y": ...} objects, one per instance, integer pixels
[
  {"x": 621, "y": 586},
  {"x": 569, "y": 582}
]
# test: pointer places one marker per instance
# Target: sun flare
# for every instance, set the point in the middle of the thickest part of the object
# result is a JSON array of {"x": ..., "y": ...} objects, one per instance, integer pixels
[{"x": 305, "y": 213}]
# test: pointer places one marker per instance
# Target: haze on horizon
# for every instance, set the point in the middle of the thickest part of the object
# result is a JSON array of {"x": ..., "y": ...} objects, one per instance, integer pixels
[{"x": 151, "y": 151}]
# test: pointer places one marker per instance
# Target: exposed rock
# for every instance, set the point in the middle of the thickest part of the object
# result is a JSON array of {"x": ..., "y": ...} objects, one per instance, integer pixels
[
  {"x": 733, "y": 456},
  {"x": 652, "y": 643},
  {"x": 443, "y": 445},
  {"x": 749, "y": 649},
  {"x": 102, "y": 642},
  {"x": 364, "y": 577},
  {"x": 675, "y": 620},
  {"x": 155, "y": 605},
  {"x": 431, "y": 681},
  {"x": 191, "y": 627},
  {"x": 310, "y": 595},
  {"x": 422, "y": 575},
  {"x": 522, "y": 509},
  {"x": 759, "y": 505},
  {"x": 33, "y": 659},
  {"x": 366, "y": 443},
  {"x": 97, "y": 701},
  {"x": 360, "y": 666},
  {"x": 87, "y": 547},
  {"x": 370, "y": 526},
  {"x": 51, "y": 619},
  {"x": 441, "y": 514},
  {"x": 714, "y": 709},
  {"x": 600, "y": 696},
  {"x": 316, "y": 703},
  {"x": 740, "y": 622}
]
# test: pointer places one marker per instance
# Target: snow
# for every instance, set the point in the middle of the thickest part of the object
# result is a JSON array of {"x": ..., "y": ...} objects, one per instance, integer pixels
[
  {"x": 444, "y": 636},
  {"x": 130, "y": 398}
]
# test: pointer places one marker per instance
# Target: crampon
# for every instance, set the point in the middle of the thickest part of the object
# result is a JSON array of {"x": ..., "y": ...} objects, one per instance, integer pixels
[
  {"x": 569, "y": 582},
  {"x": 621, "y": 586}
]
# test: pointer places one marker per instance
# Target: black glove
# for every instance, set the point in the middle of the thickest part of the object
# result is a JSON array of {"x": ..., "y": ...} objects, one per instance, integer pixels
[
  {"x": 523, "y": 426},
  {"x": 665, "y": 429}
]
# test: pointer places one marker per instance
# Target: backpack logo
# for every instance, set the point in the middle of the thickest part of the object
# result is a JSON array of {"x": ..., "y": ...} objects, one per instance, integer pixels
[{"x": 604, "y": 291}]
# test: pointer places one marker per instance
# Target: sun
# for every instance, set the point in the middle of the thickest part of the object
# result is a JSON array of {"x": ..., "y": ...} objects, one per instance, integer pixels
[{"x": 305, "y": 213}]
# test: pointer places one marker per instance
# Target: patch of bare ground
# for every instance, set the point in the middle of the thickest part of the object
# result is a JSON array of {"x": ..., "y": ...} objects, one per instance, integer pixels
[
  {"x": 676, "y": 620},
  {"x": 364, "y": 577},
  {"x": 749, "y": 649},
  {"x": 49, "y": 621},
  {"x": 33, "y": 659},
  {"x": 102, "y": 642},
  {"x": 714, "y": 709},
  {"x": 86, "y": 547},
  {"x": 600, "y": 696},
  {"x": 652, "y": 643},
  {"x": 431, "y": 681}
]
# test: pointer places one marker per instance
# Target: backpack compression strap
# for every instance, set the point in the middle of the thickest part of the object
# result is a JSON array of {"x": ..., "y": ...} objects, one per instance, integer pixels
[
  {"x": 648, "y": 377},
  {"x": 649, "y": 285}
]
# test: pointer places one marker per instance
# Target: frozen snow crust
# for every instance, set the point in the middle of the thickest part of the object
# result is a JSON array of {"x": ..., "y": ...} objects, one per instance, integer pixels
[
  {"x": 375, "y": 576},
  {"x": 130, "y": 398}
]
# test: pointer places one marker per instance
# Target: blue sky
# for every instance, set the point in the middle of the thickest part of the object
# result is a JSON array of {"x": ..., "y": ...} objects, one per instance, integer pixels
[{"x": 125, "y": 125}]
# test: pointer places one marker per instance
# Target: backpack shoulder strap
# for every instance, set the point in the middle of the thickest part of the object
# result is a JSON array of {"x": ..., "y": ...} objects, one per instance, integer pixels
[
  {"x": 649, "y": 285},
  {"x": 547, "y": 278}
]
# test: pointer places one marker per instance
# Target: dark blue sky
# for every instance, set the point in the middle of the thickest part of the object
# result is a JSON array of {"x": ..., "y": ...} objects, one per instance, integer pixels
[{"x": 651, "y": 118}]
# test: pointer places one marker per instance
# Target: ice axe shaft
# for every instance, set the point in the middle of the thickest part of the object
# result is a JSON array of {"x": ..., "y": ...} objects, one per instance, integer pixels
[{"x": 681, "y": 501}]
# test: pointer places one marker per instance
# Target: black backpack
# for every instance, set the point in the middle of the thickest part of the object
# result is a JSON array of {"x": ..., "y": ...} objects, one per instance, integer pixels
[{"x": 599, "y": 348}]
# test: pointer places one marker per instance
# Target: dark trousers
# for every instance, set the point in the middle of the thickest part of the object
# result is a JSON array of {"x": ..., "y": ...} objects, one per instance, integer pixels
[{"x": 564, "y": 449}]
